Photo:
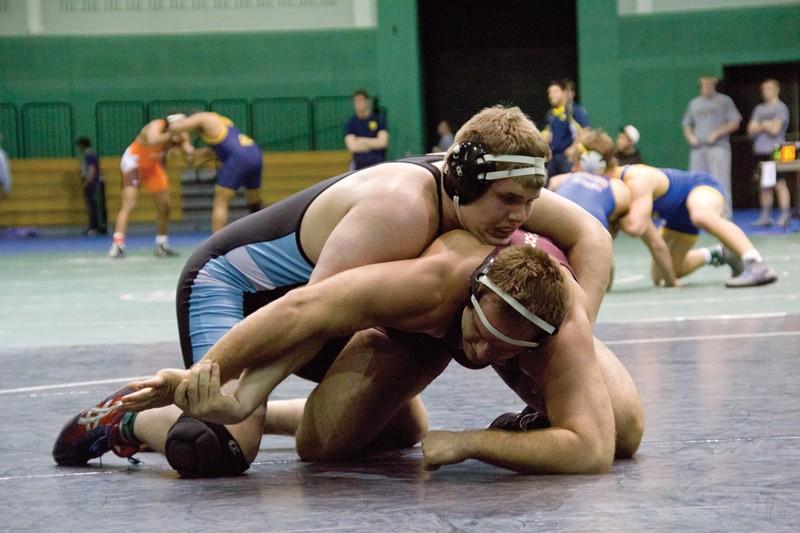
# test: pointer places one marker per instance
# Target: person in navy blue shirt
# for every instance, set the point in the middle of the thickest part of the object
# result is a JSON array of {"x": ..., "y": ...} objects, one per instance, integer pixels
[
  {"x": 564, "y": 121},
  {"x": 94, "y": 191},
  {"x": 365, "y": 133}
]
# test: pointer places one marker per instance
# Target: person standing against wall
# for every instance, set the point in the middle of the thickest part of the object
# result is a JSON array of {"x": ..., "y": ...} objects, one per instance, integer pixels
[
  {"x": 707, "y": 125},
  {"x": 365, "y": 133},
  {"x": 564, "y": 121},
  {"x": 574, "y": 109},
  {"x": 94, "y": 190},
  {"x": 445, "y": 134},
  {"x": 767, "y": 128}
]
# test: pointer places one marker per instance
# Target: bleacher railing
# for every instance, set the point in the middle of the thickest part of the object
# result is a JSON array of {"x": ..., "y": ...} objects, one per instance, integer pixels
[
  {"x": 47, "y": 129},
  {"x": 9, "y": 130}
]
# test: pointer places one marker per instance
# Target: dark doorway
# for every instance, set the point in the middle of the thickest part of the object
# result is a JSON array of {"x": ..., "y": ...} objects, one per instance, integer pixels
[
  {"x": 742, "y": 83},
  {"x": 477, "y": 53}
]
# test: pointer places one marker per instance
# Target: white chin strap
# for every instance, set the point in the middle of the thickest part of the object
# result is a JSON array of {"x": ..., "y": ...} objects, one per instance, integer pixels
[{"x": 458, "y": 211}]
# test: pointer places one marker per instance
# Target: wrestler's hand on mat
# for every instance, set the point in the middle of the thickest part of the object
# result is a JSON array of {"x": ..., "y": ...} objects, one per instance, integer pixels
[
  {"x": 441, "y": 448},
  {"x": 156, "y": 391},
  {"x": 200, "y": 396}
]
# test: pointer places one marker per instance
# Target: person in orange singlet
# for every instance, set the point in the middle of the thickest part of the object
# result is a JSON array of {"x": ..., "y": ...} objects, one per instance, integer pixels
[{"x": 142, "y": 165}]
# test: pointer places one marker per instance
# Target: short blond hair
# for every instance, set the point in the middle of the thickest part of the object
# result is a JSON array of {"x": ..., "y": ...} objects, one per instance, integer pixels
[
  {"x": 534, "y": 279},
  {"x": 506, "y": 130}
]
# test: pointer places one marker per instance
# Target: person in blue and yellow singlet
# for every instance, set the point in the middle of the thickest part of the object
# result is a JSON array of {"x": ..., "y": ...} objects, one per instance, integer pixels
[
  {"x": 606, "y": 199},
  {"x": 687, "y": 201},
  {"x": 240, "y": 157}
]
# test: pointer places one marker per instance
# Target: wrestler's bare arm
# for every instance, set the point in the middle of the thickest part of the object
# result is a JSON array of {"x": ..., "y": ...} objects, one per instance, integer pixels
[
  {"x": 639, "y": 222},
  {"x": 622, "y": 199},
  {"x": 413, "y": 295},
  {"x": 661, "y": 254},
  {"x": 586, "y": 242},
  {"x": 581, "y": 438},
  {"x": 208, "y": 124},
  {"x": 201, "y": 156},
  {"x": 640, "y": 212},
  {"x": 155, "y": 132}
]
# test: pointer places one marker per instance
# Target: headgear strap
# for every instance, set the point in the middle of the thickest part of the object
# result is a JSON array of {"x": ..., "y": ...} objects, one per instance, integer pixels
[{"x": 481, "y": 277}]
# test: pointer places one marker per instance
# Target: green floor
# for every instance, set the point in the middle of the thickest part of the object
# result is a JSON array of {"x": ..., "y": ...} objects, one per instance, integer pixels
[
  {"x": 634, "y": 298},
  {"x": 82, "y": 297}
]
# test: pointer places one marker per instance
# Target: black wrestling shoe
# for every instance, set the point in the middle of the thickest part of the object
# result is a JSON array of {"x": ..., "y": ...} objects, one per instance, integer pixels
[{"x": 527, "y": 420}]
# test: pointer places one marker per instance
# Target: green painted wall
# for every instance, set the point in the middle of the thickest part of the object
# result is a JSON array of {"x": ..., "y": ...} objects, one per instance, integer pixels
[
  {"x": 399, "y": 84},
  {"x": 84, "y": 70},
  {"x": 639, "y": 68},
  {"x": 643, "y": 69}
]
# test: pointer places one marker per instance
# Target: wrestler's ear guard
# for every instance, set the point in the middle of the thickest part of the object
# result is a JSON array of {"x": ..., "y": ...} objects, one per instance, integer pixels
[{"x": 470, "y": 169}]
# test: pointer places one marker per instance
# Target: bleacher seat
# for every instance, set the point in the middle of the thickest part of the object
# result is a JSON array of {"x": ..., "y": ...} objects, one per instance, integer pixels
[{"x": 47, "y": 192}]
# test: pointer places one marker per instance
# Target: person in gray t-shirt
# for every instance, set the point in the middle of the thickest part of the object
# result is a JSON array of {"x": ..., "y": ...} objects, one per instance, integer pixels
[
  {"x": 767, "y": 128},
  {"x": 707, "y": 125}
]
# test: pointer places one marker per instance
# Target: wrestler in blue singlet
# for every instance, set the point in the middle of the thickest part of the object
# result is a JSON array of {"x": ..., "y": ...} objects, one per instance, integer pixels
[
  {"x": 591, "y": 192},
  {"x": 240, "y": 156},
  {"x": 671, "y": 206},
  {"x": 249, "y": 263}
]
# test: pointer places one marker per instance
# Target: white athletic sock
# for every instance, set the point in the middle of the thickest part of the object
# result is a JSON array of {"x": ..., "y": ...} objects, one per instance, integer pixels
[
  {"x": 119, "y": 238},
  {"x": 706, "y": 255},
  {"x": 752, "y": 256},
  {"x": 161, "y": 239}
]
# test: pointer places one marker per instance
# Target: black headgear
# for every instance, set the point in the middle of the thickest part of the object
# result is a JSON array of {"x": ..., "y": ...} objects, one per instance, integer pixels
[{"x": 469, "y": 170}]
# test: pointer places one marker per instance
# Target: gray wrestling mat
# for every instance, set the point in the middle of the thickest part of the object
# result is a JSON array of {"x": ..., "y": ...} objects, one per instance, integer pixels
[
  {"x": 717, "y": 370},
  {"x": 721, "y": 451}
]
